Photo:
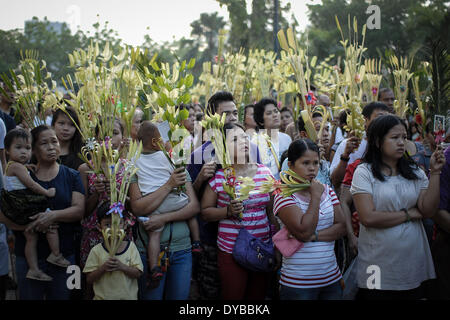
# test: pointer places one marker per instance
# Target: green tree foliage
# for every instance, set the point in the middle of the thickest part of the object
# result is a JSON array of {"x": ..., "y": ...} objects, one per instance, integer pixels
[
  {"x": 52, "y": 45},
  {"x": 406, "y": 25},
  {"x": 38, "y": 35},
  {"x": 239, "y": 30},
  {"x": 254, "y": 30},
  {"x": 203, "y": 46},
  {"x": 10, "y": 46},
  {"x": 419, "y": 29},
  {"x": 205, "y": 33}
]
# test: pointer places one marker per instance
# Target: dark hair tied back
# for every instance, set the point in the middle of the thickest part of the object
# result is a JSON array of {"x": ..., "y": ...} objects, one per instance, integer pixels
[
  {"x": 298, "y": 148},
  {"x": 376, "y": 133}
]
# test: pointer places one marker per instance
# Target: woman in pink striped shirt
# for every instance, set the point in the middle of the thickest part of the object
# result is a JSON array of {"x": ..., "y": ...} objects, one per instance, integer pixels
[
  {"x": 313, "y": 216},
  {"x": 237, "y": 282}
]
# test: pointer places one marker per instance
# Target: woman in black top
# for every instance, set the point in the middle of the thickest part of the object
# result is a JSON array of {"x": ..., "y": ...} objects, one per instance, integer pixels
[{"x": 69, "y": 137}]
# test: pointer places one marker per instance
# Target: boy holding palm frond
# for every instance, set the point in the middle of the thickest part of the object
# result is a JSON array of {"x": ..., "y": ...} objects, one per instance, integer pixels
[{"x": 113, "y": 278}]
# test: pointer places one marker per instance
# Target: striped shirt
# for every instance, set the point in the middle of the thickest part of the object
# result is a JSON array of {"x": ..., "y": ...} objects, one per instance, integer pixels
[
  {"x": 314, "y": 265},
  {"x": 254, "y": 215}
]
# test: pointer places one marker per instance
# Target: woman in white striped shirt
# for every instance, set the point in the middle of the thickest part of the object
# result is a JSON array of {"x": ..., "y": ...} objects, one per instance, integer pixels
[
  {"x": 314, "y": 217},
  {"x": 237, "y": 282}
]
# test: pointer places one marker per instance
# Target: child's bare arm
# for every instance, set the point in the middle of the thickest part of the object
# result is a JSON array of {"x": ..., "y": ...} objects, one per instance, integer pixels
[
  {"x": 20, "y": 171},
  {"x": 94, "y": 276}
]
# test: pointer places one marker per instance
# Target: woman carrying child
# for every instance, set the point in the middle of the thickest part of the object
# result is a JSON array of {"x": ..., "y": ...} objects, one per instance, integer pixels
[
  {"x": 17, "y": 177},
  {"x": 147, "y": 196},
  {"x": 67, "y": 207},
  {"x": 155, "y": 169}
]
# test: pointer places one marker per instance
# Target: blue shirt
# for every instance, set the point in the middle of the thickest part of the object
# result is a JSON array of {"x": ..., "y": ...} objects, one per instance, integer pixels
[
  {"x": 4, "y": 251},
  {"x": 444, "y": 203},
  {"x": 8, "y": 120},
  {"x": 66, "y": 181},
  {"x": 422, "y": 158}
]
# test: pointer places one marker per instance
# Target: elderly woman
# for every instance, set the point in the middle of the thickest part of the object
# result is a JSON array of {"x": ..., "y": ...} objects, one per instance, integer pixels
[{"x": 66, "y": 210}]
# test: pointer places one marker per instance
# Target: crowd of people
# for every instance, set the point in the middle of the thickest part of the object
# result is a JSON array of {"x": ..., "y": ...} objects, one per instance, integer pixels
[{"x": 383, "y": 200}]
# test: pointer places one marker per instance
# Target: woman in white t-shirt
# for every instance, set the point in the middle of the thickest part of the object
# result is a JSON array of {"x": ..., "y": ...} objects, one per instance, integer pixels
[
  {"x": 392, "y": 195},
  {"x": 270, "y": 140},
  {"x": 313, "y": 216}
]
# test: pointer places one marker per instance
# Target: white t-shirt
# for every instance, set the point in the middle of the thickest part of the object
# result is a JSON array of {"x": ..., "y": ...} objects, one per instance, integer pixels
[
  {"x": 154, "y": 170},
  {"x": 339, "y": 135},
  {"x": 401, "y": 252},
  {"x": 355, "y": 155},
  {"x": 47, "y": 121},
  {"x": 267, "y": 157},
  {"x": 2, "y": 134}
]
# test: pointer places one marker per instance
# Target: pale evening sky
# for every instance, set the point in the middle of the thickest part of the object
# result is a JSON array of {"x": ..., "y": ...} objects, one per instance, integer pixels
[{"x": 164, "y": 18}]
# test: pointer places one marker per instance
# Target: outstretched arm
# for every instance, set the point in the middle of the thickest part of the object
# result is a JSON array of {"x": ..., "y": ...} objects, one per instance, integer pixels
[{"x": 429, "y": 200}]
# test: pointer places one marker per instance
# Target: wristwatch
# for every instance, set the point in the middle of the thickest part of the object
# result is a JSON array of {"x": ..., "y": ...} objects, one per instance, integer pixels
[{"x": 346, "y": 159}]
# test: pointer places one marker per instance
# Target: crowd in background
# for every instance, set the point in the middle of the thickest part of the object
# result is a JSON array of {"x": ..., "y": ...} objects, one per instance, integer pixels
[{"x": 382, "y": 200}]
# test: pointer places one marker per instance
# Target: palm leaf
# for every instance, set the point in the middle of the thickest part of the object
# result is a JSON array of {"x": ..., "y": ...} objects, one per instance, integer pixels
[{"x": 440, "y": 61}]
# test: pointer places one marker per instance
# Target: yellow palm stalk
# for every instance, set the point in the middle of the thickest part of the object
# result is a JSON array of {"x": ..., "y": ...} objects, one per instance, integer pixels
[
  {"x": 420, "y": 110},
  {"x": 309, "y": 126},
  {"x": 401, "y": 79},
  {"x": 299, "y": 65},
  {"x": 97, "y": 76},
  {"x": 372, "y": 79},
  {"x": 114, "y": 236},
  {"x": 325, "y": 115},
  {"x": 354, "y": 73},
  {"x": 169, "y": 84},
  {"x": 92, "y": 155},
  {"x": 29, "y": 87},
  {"x": 213, "y": 124},
  {"x": 290, "y": 183},
  {"x": 245, "y": 186}
]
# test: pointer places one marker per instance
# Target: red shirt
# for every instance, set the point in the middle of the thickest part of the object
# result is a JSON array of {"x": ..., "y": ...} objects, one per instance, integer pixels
[
  {"x": 349, "y": 173},
  {"x": 348, "y": 178}
]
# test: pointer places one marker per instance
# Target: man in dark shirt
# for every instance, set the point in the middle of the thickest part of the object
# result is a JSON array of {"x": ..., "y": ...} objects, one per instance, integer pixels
[
  {"x": 441, "y": 244},
  {"x": 6, "y": 110}
]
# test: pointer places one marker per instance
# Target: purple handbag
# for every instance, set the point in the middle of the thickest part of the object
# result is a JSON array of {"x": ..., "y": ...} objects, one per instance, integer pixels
[{"x": 252, "y": 253}]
